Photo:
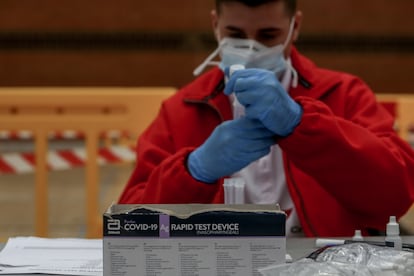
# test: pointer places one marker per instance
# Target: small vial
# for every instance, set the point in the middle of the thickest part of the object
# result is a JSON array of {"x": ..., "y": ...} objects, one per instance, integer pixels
[
  {"x": 234, "y": 190},
  {"x": 239, "y": 185},
  {"x": 228, "y": 191},
  {"x": 393, "y": 238},
  {"x": 238, "y": 108}
]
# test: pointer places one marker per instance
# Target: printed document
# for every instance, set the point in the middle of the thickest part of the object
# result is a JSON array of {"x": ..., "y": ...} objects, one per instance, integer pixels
[{"x": 60, "y": 256}]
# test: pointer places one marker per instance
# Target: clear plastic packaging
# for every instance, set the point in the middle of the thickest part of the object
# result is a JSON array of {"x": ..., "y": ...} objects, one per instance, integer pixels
[{"x": 361, "y": 259}]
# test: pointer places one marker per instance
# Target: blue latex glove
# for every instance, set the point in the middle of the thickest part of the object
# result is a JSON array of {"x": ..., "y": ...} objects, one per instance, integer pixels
[
  {"x": 265, "y": 99},
  {"x": 231, "y": 146}
]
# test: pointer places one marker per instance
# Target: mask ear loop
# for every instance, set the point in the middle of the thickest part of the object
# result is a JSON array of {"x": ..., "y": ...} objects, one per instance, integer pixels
[
  {"x": 207, "y": 62},
  {"x": 290, "y": 34},
  {"x": 295, "y": 77}
]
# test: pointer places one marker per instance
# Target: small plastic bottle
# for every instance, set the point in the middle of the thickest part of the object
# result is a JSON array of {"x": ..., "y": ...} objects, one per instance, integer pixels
[
  {"x": 238, "y": 108},
  {"x": 393, "y": 238}
]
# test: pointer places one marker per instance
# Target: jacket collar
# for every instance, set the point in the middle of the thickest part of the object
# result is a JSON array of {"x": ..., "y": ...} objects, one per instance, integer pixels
[
  {"x": 314, "y": 82},
  {"x": 207, "y": 86},
  {"x": 208, "y": 89}
]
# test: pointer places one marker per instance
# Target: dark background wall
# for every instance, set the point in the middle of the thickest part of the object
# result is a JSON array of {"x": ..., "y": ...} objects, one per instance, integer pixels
[{"x": 160, "y": 42}]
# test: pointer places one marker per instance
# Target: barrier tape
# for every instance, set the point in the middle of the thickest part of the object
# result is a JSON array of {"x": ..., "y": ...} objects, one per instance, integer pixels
[
  {"x": 20, "y": 163},
  {"x": 60, "y": 135}
]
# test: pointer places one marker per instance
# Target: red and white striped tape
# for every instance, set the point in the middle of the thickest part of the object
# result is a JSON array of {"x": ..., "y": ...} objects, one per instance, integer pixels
[
  {"x": 19, "y": 163},
  {"x": 60, "y": 135}
]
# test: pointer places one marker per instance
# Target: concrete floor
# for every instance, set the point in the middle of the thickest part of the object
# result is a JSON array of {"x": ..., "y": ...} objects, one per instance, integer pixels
[{"x": 66, "y": 200}]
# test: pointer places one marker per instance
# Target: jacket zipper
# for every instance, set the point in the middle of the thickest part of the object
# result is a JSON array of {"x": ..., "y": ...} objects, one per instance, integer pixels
[
  {"x": 206, "y": 100},
  {"x": 295, "y": 186}
]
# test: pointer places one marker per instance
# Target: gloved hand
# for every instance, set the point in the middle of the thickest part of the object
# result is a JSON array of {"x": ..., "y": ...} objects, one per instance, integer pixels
[
  {"x": 231, "y": 146},
  {"x": 265, "y": 99}
]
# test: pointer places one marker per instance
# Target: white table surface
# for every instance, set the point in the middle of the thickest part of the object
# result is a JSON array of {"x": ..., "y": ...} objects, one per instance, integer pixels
[{"x": 297, "y": 248}]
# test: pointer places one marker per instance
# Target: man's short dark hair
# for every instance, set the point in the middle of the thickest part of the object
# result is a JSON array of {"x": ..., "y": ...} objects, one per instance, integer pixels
[{"x": 290, "y": 4}]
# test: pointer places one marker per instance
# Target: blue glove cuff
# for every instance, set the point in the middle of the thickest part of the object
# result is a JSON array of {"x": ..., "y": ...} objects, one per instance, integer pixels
[
  {"x": 196, "y": 169},
  {"x": 291, "y": 114},
  {"x": 297, "y": 112}
]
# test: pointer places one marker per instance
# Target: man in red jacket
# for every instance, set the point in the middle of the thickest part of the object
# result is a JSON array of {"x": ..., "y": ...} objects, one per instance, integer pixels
[{"x": 313, "y": 140}]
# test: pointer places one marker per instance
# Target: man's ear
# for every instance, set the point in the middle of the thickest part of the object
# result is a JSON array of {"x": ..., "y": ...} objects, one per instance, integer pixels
[
  {"x": 214, "y": 24},
  {"x": 298, "y": 24}
]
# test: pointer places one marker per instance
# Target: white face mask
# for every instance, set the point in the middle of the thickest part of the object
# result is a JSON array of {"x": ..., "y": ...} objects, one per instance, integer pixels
[
  {"x": 249, "y": 53},
  {"x": 252, "y": 54}
]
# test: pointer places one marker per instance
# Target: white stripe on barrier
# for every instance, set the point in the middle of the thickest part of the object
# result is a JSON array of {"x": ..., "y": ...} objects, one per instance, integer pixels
[
  {"x": 113, "y": 134},
  {"x": 25, "y": 134},
  {"x": 18, "y": 163},
  {"x": 81, "y": 154},
  {"x": 56, "y": 162},
  {"x": 102, "y": 161},
  {"x": 123, "y": 153}
]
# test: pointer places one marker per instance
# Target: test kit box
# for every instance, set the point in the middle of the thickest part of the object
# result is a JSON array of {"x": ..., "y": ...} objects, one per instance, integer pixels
[{"x": 192, "y": 239}]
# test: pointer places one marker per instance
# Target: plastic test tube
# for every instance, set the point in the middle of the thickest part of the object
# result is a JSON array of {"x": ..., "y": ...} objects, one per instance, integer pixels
[
  {"x": 239, "y": 184},
  {"x": 234, "y": 190},
  {"x": 238, "y": 108},
  {"x": 228, "y": 191},
  {"x": 234, "y": 186}
]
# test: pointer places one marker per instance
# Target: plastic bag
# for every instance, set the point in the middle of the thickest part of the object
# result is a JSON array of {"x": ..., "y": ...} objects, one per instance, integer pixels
[{"x": 360, "y": 259}]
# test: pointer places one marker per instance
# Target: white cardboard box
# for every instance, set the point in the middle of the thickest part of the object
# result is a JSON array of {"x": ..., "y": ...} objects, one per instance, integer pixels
[{"x": 192, "y": 239}]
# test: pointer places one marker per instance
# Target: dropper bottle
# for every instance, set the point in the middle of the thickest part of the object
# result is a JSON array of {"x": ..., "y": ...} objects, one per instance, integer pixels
[{"x": 393, "y": 238}]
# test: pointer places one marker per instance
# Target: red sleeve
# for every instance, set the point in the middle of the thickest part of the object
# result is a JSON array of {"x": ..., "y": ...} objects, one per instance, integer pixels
[
  {"x": 347, "y": 144},
  {"x": 160, "y": 175}
]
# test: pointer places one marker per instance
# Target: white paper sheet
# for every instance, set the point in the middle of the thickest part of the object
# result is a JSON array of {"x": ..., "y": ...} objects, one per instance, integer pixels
[{"x": 63, "y": 256}]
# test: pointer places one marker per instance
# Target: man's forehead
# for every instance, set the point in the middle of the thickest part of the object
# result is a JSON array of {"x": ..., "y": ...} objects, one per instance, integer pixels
[{"x": 270, "y": 15}]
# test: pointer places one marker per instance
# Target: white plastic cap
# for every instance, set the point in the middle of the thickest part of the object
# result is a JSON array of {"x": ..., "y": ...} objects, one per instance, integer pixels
[
  {"x": 357, "y": 236},
  {"x": 393, "y": 228},
  {"x": 235, "y": 67}
]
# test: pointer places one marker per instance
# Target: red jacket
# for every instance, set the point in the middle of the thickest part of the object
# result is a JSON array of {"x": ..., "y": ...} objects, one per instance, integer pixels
[{"x": 345, "y": 167}]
